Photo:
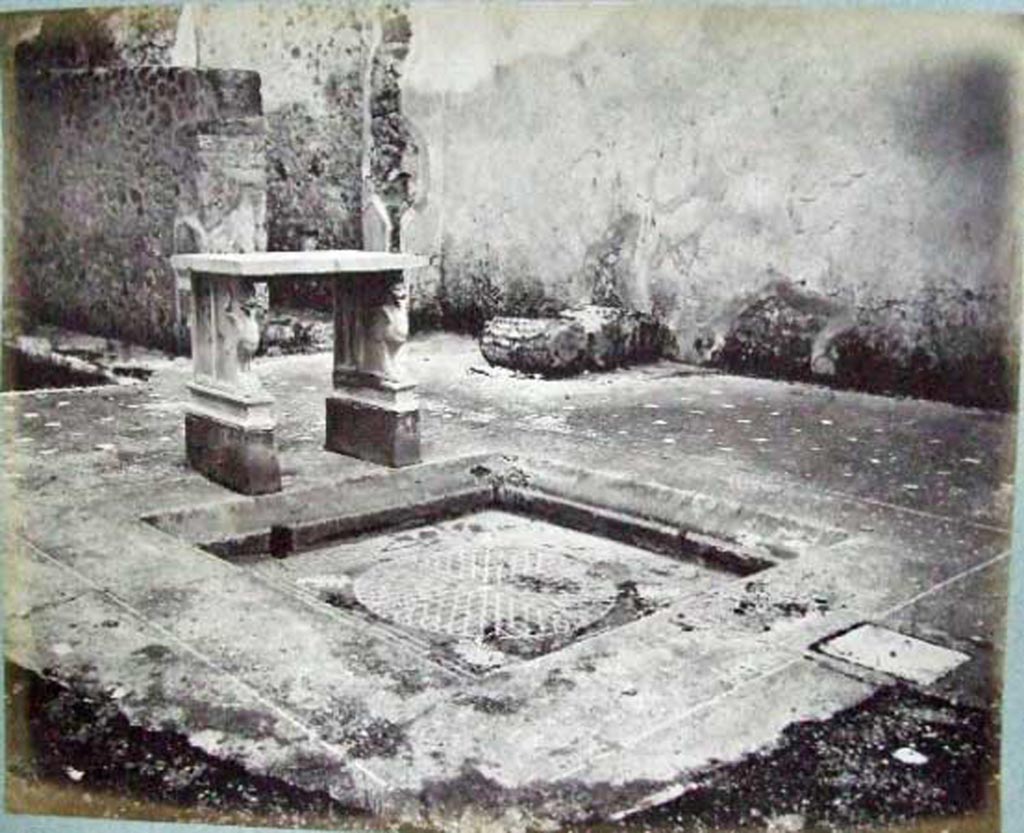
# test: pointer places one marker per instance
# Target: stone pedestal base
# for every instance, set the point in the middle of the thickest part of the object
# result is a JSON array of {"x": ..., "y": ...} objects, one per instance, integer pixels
[
  {"x": 380, "y": 432},
  {"x": 243, "y": 459}
]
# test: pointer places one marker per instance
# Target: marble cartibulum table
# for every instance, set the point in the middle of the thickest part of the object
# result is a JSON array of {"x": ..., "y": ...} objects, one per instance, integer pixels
[{"x": 229, "y": 422}]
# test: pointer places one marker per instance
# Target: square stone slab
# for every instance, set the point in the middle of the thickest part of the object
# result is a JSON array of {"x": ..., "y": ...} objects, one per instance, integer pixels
[{"x": 891, "y": 652}]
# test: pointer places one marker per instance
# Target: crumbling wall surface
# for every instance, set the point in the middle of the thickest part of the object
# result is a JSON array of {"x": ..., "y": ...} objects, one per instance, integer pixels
[
  {"x": 82, "y": 38},
  {"x": 107, "y": 160},
  {"x": 812, "y": 194}
]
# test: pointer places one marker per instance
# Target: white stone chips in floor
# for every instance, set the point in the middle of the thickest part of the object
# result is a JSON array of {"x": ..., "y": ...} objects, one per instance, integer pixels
[{"x": 716, "y": 674}]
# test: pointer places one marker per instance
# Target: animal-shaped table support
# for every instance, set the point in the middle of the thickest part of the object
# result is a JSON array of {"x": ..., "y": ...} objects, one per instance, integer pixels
[{"x": 372, "y": 411}]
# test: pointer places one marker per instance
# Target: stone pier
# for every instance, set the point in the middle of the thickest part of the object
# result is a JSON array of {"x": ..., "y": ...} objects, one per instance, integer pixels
[
  {"x": 229, "y": 421},
  {"x": 373, "y": 413}
]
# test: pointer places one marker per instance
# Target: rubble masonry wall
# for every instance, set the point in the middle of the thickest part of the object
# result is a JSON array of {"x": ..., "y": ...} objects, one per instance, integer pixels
[{"x": 109, "y": 161}]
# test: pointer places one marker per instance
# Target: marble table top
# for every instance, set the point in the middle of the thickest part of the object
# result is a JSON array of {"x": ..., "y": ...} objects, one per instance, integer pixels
[{"x": 267, "y": 265}]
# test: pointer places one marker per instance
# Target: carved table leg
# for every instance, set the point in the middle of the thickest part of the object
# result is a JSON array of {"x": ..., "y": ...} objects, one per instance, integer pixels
[
  {"x": 229, "y": 422},
  {"x": 373, "y": 413}
]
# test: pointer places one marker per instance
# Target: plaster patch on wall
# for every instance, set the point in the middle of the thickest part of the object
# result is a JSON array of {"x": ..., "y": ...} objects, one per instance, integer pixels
[{"x": 470, "y": 42}]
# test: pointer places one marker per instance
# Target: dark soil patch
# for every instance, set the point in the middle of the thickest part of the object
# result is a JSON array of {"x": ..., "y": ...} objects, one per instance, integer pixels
[
  {"x": 842, "y": 774},
  {"x": 78, "y": 754}
]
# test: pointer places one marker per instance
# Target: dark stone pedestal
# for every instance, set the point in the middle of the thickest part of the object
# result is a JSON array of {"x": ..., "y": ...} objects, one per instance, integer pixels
[
  {"x": 373, "y": 432},
  {"x": 243, "y": 459}
]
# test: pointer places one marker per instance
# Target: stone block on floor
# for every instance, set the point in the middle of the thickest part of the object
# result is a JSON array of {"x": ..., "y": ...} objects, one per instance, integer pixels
[
  {"x": 380, "y": 433},
  {"x": 243, "y": 459}
]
